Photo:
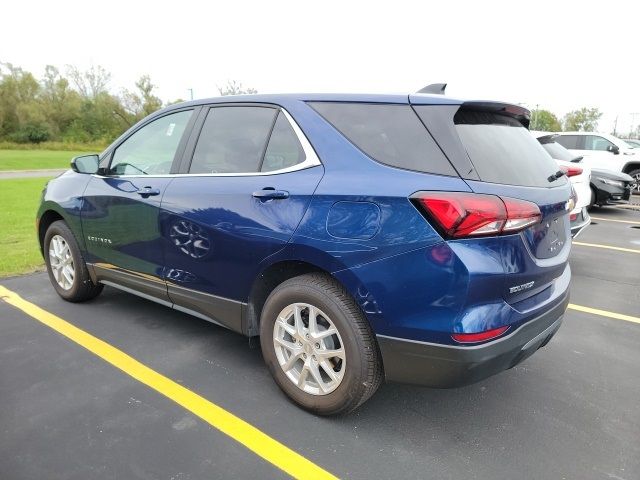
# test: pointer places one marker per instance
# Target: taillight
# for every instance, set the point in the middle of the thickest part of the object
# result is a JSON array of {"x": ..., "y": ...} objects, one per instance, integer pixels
[
  {"x": 479, "y": 337},
  {"x": 461, "y": 214},
  {"x": 572, "y": 170}
]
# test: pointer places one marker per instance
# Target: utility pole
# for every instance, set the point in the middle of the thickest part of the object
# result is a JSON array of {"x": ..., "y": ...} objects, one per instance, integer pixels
[
  {"x": 535, "y": 118},
  {"x": 615, "y": 127},
  {"x": 633, "y": 121},
  {"x": 190, "y": 92}
]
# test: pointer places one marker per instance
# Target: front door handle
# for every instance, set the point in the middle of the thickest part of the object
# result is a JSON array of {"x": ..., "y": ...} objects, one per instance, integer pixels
[
  {"x": 147, "y": 192},
  {"x": 271, "y": 194}
]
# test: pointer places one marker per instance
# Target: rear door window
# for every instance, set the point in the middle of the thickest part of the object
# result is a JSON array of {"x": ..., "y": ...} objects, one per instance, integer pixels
[
  {"x": 389, "y": 134},
  {"x": 569, "y": 141},
  {"x": 502, "y": 150},
  {"x": 284, "y": 149},
  {"x": 232, "y": 140}
]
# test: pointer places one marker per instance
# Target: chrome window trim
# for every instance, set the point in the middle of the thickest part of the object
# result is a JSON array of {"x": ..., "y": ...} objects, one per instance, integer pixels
[{"x": 311, "y": 160}]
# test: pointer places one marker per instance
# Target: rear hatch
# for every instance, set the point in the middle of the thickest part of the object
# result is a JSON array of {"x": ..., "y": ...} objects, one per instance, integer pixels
[{"x": 490, "y": 147}]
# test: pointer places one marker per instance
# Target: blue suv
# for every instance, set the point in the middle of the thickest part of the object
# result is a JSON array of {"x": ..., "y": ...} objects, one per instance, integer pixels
[{"x": 413, "y": 238}]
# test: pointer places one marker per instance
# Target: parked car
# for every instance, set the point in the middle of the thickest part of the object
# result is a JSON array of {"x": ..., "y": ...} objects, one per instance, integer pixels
[
  {"x": 580, "y": 176},
  {"x": 609, "y": 188},
  {"x": 604, "y": 151},
  {"x": 415, "y": 238}
]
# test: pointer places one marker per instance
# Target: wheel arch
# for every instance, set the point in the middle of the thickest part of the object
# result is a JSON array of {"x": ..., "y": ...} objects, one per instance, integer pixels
[
  {"x": 44, "y": 222},
  {"x": 629, "y": 167},
  {"x": 268, "y": 279}
]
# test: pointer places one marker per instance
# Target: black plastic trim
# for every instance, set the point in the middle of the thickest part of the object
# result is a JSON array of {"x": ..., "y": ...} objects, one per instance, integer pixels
[
  {"x": 147, "y": 286},
  {"x": 446, "y": 366},
  {"x": 222, "y": 311}
]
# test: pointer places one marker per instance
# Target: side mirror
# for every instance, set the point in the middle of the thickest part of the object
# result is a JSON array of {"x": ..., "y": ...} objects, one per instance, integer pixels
[
  {"x": 85, "y": 164},
  {"x": 613, "y": 149}
]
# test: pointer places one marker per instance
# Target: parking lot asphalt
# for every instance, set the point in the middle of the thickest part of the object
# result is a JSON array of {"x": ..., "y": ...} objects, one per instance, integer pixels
[{"x": 572, "y": 410}]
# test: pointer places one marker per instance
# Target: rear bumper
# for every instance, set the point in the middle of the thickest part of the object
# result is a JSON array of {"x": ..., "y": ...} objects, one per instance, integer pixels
[{"x": 446, "y": 366}]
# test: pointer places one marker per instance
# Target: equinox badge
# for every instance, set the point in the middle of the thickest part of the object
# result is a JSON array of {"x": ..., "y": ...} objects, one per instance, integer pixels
[{"x": 519, "y": 288}]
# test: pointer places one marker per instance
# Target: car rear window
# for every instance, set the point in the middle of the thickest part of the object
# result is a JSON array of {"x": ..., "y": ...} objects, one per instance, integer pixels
[
  {"x": 502, "y": 150},
  {"x": 390, "y": 134},
  {"x": 558, "y": 152}
]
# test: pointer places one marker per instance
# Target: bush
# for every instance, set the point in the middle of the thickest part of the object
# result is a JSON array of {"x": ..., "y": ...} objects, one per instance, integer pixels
[
  {"x": 31, "y": 133},
  {"x": 57, "y": 146}
]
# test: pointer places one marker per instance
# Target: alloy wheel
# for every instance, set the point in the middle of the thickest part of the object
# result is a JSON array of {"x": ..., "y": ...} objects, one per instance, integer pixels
[
  {"x": 61, "y": 262},
  {"x": 309, "y": 349}
]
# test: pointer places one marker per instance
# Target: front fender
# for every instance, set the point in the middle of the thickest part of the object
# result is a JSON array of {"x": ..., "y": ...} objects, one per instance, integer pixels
[{"x": 64, "y": 197}]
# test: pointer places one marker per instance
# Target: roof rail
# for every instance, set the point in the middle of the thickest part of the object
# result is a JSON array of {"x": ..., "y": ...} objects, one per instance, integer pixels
[{"x": 436, "y": 88}]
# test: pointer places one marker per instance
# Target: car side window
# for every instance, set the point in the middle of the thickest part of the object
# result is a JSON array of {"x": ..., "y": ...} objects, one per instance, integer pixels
[
  {"x": 150, "y": 150},
  {"x": 390, "y": 134},
  {"x": 594, "y": 142},
  {"x": 233, "y": 140},
  {"x": 568, "y": 141},
  {"x": 284, "y": 149}
]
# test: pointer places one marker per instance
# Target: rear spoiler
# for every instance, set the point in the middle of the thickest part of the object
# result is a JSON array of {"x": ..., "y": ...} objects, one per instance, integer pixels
[{"x": 518, "y": 112}]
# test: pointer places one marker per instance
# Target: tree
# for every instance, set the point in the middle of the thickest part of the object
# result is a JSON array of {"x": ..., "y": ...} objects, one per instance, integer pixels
[
  {"x": 75, "y": 105},
  {"x": 233, "y": 87},
  {"x": 138, "y": 105},
  {"x": 22, "y": 119},
  {"x": 544, "y": 121},
  {"x": 582, "y": 120},
  {"x": 60, "y": 103},
  {"x": 91, "y": 82}
]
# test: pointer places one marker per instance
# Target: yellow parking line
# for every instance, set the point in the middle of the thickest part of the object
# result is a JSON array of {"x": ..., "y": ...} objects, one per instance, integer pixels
[
  {"x": 615, "y": 220},
  {"x": 609, "y": 247},
  {"x": 604, "y": 313},
  {"x": 255, "y": 440}
]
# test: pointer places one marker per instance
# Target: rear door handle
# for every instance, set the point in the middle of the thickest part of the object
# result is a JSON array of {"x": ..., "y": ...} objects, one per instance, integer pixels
[
  {"x": 147, "y": 192},
  {"x": 271, "y": 194}
]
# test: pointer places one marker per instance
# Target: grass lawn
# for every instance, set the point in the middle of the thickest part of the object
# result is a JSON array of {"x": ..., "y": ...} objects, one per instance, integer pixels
[
  {"x": 19, "y": 200},
  {"x": 35, "y": 159}
]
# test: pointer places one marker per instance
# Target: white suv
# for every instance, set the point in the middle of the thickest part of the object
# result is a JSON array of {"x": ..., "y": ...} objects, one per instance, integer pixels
[{"x": 601, "y": 150}]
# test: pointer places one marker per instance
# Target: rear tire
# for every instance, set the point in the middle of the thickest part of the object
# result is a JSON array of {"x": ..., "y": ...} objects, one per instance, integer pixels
[
  {"x": 65, "y": 265},
  {"x": 357, "y": 374}
]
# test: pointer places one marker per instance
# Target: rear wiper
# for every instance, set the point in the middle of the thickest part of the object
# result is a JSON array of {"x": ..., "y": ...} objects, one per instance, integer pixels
[{"x": 555, "y": 176}]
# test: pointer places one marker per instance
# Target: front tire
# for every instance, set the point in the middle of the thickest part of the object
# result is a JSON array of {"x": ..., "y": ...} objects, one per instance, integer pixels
[
  {"x": 65, "y": 265},
  {"x": 635, "y": 189},
  {"x": 592, "y": 201},
  {"x": 318, "y": 345}
]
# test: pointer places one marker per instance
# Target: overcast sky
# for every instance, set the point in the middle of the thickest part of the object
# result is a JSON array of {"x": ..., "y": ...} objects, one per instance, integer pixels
[{"x": 558, "y": 54}]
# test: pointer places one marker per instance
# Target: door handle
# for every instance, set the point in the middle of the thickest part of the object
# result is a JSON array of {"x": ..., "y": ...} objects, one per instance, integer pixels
[
  {"x": 270, "y": 194},
  {"x": 147, "y": 192}
]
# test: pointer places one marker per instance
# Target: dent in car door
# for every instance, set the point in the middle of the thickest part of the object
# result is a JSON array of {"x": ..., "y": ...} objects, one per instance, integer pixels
[
  {"x": 120, "y": 210},
  {"x": 220, "y": 226}
]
